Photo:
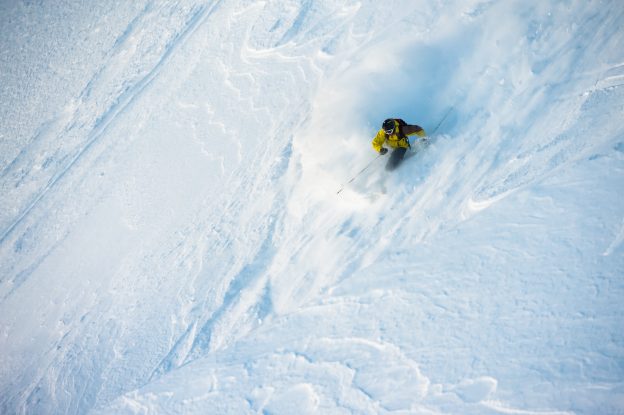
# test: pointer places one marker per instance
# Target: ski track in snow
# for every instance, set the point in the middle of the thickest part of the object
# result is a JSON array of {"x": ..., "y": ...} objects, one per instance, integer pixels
[
  {"x": 172, "y": 241},
  {"x": 72, "y": 119}
]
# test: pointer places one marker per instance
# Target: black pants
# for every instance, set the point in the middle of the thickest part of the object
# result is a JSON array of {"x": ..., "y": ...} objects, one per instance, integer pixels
[{"x": 395, "y": 158}]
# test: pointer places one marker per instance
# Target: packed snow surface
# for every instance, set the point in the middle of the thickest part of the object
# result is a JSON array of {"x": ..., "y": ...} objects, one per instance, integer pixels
[{"x": 172, "y": 239}]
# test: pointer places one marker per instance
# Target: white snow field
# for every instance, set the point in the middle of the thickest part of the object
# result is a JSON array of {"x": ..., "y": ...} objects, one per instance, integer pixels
[{"x": 172, "y": 240}]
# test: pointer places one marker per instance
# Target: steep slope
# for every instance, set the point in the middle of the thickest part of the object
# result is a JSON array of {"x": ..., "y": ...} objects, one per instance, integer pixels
[{"x": 172, "y": 241}]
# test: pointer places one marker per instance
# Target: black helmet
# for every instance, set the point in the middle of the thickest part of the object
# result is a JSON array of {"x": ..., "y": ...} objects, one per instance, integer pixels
[{"x": 388, "y": 126}]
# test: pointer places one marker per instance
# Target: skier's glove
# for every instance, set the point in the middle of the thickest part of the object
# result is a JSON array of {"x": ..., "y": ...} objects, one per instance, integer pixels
[{"x": 383, "y": 151}]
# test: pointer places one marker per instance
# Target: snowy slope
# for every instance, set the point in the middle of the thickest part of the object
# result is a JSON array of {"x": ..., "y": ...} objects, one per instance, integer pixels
[{"x": 171, "y": 240}]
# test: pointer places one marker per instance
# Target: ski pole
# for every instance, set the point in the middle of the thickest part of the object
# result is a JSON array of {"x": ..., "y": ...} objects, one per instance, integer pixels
[
  {"x": 442, "y": 120},
  {"x": 424, "y": 139},
  {"x": 361, "y": 171}
]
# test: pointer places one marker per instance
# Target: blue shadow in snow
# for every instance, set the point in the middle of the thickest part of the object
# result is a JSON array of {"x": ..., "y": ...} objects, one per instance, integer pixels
[{"x": 420, "y": 88}]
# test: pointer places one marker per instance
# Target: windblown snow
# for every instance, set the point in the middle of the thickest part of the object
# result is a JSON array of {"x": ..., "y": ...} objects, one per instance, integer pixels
[{"x": 172, "y": 240}]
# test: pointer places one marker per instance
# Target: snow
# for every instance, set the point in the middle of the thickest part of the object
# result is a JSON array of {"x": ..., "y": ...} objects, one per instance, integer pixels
[{"x": 172, "y": 240}]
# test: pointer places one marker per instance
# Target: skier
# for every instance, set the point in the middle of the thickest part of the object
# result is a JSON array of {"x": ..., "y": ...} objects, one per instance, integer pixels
[{"x": 394, "y": 132}]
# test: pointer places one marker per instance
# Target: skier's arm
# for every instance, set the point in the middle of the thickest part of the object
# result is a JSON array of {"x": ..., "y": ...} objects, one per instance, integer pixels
[
  {"x": 414, "y": 129},
  {"x": 379, "y": 140}
]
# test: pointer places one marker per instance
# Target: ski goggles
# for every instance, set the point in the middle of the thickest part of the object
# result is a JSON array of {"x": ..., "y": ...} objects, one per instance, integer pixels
[{"x": 389, "y": 131}]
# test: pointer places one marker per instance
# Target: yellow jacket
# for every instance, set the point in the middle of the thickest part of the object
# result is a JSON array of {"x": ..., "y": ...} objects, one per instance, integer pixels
[{"x": 398, "y": 138}]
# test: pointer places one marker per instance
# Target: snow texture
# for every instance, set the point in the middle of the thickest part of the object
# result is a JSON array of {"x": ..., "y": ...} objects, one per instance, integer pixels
[{"x": 172, "y": 240}]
